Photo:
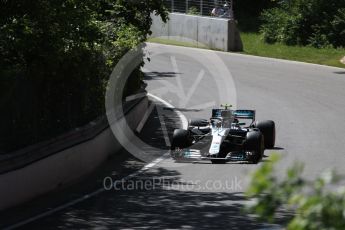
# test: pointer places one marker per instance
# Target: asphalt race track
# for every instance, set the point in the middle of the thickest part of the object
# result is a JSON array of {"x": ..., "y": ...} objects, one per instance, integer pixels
[{"x": 306, "y": 101}]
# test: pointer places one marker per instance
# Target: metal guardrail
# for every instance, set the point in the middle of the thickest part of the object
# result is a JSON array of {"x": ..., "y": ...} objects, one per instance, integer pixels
[{"x": 213, "y": 8}]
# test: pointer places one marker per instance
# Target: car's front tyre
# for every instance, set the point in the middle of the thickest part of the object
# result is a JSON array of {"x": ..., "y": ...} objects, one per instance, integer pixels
[
  {"x": 255, "y": 145},
  {"x": 181, "y": 139}
]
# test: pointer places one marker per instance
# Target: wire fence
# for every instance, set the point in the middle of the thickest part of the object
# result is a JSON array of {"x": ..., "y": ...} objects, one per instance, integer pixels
[{"x": 213, "y": 8}]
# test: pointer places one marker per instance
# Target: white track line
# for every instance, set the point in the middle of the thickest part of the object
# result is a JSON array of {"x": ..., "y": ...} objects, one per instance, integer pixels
[
  {"x": 101, "y": 190},
  {"x": 182, "y": 117},
  {"x": 145, "y": 117},
  {"x": 135, "y": 96},
  {"x": 54, "y": 210},
  {"x": 192, "y": 89},
  {"x": 204, "y": 106},
  {"x": 164, "y": 127},
  {"x": 180, "y": 90}
]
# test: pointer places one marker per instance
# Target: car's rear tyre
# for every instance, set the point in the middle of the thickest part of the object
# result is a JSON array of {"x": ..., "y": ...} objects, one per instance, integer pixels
[
  {"x": 268, "y": 129},
  {"x": 255, "y": 144},
  {"x": 199, "y": 123},
  {"x": 181, "y": 139}
]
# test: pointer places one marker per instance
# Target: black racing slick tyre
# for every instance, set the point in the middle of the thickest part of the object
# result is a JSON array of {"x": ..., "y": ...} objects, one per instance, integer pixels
[
  {"x": 181, "y": 139},
  {"x": 255, "y": 145},
  {"x": 199, "y": 123},
  {"x": 268, "y": 129}
]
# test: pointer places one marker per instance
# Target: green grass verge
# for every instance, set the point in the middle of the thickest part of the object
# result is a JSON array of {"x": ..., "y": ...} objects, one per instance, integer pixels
[
  {"x": 176, "y": 43},
  {"x": 253, "y": 45}
]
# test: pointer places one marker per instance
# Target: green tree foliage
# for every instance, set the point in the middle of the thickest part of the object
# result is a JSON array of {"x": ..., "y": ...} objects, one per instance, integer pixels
[
  {"x": 55, "y": 58},
  {"x": 317, "y": 205},
  {"x": 247, "y": 13},
  {"x": 319, "y": 23},
  {"x": 193, "y": 10}
]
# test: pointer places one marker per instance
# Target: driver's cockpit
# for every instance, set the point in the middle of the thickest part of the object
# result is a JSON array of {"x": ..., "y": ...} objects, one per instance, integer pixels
[{"x": 222, "y": 118}]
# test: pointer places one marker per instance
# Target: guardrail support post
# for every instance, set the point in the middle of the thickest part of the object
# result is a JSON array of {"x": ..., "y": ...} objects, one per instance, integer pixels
[
  {"x": 186, "y": 6},
  {"x": 201, "y": 6}
]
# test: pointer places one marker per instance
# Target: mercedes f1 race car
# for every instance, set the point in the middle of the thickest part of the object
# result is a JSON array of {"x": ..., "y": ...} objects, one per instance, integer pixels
[{"x": 224, "y": 137}]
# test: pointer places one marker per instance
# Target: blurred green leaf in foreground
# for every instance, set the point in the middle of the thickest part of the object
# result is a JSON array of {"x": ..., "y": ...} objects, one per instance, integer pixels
[{"x": 319, "y": 204}]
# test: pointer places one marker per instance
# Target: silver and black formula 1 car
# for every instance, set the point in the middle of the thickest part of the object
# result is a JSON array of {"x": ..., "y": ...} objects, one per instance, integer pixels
[{"x": 224, "y": 138}]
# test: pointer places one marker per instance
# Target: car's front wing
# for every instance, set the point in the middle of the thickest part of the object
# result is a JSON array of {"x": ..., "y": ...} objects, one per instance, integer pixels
[{"x": 188, "y": 155}]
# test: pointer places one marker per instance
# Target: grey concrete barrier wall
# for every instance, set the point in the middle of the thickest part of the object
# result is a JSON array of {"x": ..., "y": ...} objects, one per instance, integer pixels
[
  {"x": 64, "y": 167},
  {"x": 183, "y": 28},
  {"x": 215, "y": 33}
]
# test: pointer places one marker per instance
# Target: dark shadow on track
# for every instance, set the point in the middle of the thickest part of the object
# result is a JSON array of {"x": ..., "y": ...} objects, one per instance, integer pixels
[
  {"x": 277, "y": 148},
  {"x": 158, "y": 75},
  {"x": 161, "y": 207},
  {"x": 184, "y": 109},
  {"x": 156, "y": 134}
]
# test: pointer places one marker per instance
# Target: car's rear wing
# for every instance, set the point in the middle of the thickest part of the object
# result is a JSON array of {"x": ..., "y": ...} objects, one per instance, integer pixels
[{"x": 245, "y": 114}]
